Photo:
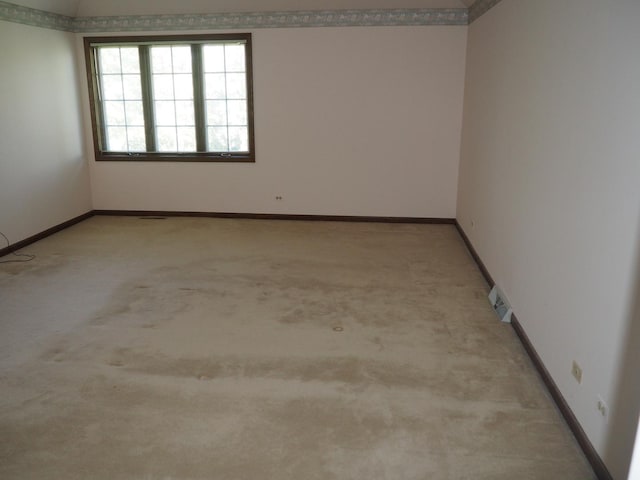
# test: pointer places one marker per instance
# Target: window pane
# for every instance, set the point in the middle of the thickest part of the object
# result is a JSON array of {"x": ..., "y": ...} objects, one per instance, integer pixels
[
  {"x": 238, "y": 139},
  {"x": 114, "y": 113},
  {"x": 182, "y": 59},
  {"x": 183, "y": 86},
  {"x": 214, "y": 87},
  {"x": 135, "y": 113},
  {"x": 137, "y": 142},
  {"x": 132, "y": 88},
  {"x": 166, "y": 139},
  {"x": 236, "y": 85},
  {"x": 184, "y": 113},
  {"x": 186, "y": 139},
  {"x": 161, "y": 60},
  {"x": 130, "y": 60},
  {"x": 234, "y": 55},
  {"x": 237, "y": 112},
  {"x": 117, "y": 139},
  {"x": 109, "y": 59},
  {"x": 163, "y": 87},
  {"x": 216, "y": 112},
  {"x": 112, "y": 87},
  {"x": 217, "y": 139},
  {"x": 213, "y": 56},
  {"x": 165, "y": 113}
]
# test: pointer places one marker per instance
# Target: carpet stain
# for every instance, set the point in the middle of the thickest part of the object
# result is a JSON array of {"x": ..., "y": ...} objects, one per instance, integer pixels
[{"x": 460, "y": 381}]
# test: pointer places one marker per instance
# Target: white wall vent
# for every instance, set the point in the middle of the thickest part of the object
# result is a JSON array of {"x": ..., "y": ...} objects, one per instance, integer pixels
[{"x": 500, "y": 304}]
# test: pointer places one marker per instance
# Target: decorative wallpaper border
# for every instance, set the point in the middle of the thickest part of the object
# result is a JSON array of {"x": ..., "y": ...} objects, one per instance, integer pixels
[
  {"x": 36, "y": 18},
  {"x": 327, "y": 18},
  {"x": 480, "y": 7}
]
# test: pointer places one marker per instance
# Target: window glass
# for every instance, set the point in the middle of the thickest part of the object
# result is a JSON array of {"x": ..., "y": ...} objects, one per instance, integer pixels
[{"x": 165, "y": 96}]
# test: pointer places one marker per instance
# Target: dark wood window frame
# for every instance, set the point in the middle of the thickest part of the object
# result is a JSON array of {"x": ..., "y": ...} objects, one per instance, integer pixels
[{"x": 200, "y": 155}]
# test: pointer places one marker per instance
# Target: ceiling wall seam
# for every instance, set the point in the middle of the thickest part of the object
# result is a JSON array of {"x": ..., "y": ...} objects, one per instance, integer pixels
[
  {"x": 480, "y": 7},
  {"x": 294, "y": 19},
  {"x": 37, "y": 18}
]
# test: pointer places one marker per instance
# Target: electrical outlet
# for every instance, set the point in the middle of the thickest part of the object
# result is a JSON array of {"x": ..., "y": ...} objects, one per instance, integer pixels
[
  {"x": 576, "y": 371},
  {"x": 602, "y": 407}
]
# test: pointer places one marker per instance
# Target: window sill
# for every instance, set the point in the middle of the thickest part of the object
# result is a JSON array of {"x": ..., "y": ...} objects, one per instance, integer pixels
[{"x": 184, "y": 158}]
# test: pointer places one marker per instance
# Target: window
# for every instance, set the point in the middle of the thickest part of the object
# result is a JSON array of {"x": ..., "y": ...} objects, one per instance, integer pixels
[{"x": 178, "y": 98}]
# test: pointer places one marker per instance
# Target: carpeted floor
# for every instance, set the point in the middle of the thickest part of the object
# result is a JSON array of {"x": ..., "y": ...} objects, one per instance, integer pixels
[{"x": 194, "y": 348}]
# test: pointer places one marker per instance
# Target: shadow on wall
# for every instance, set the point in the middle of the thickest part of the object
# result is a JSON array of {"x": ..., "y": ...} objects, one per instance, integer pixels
[{"x": 626, "y": 405}]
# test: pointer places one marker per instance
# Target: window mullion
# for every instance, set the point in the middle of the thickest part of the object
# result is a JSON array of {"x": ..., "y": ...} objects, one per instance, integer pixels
[
  {"x": 198, "y": 97},
  {"x": 147, "y": 100}
]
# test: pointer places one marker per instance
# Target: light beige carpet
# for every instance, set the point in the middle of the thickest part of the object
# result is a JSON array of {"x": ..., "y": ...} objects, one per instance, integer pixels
[{"x": 194, "y": 348}]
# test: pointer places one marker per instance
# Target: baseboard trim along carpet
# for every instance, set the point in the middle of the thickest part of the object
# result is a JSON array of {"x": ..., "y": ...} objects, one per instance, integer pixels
[
  {"x": 39, "y": 236},
  {"x": 256, "y": 216},
  {"x": 587, "y": 447},
  {"x": 278, "y": 216}
]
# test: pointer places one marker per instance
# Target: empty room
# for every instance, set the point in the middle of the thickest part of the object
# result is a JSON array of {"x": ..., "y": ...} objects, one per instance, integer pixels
[{"x": 357, "y": 239}]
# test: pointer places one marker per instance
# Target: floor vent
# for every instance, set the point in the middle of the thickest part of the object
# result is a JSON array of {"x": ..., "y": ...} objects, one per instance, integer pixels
[{"x": 500, "y": 304}]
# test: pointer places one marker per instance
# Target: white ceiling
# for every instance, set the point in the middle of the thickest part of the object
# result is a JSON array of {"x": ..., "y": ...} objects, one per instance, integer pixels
[{"x": 150, "y": 7}]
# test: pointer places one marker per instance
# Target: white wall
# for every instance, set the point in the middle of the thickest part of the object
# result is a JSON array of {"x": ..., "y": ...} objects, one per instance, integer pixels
[
  {"x": 549, "y": 189},
  {"x": 43, "y": 172},
  {"x": 348, "y": 121}
]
